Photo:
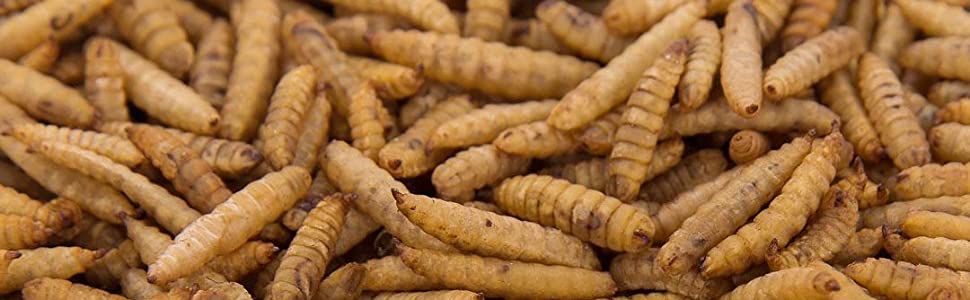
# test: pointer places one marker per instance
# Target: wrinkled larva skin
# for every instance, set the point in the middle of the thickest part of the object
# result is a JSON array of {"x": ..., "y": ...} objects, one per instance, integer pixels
[
  {"x": 57, "y": 262},
  {"x": 826, "y": 236},
  {"x": 427, "y": 14},
  {"x": 154, "y": 30},
  {"x": 808, "y": 18},
  {"x": 584, "y": 32},
  {"x": 625, "y": 228},
  {"x": 457, "y": 178},
  {"x": 116, "y": 148},
  {"x": 741, "y": 60},
  {"x": 312, "y": 248},
  {"x": 800, "y": 283},
  {"x": 808, "y": 63},
  {"x": 104, "y": 81},
  {"x": 936, "y": 18},
  {"x": 210, "y": 74},
  {"x": 288, "y": 107},
  {"x": 839, "y": 94},
  {"x": 486, "y": 19},
  {"x": 407, "y": 155},
  {"x": 903, "y": 280},
  {"x": 898, "y": 128},
  {"x": 748, "y": 145},
  {"x": 703, "y": 61}
]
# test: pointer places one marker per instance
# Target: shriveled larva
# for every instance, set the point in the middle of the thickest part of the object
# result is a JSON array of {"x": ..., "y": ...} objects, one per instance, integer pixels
[
  {"x": 42, "y": 58},
  {"x": 893, "y": 214},
  {"x": 60, "y": 289},
  {"x": 628, "y": 17},
  {"x": 230, "y": 224},
  {"x": 254, "y": 67},
  {"x": 695, "y": 169},
  {"x": 164, "y": 97},
  {"x": 312, "y": 248},
  {"x": 636, "y": 138},
  {"x": 510, "y": 79},
  {"x": 483, "y": 125},
  {"x": 741, "y": 73},
  {"x": 944, "y": 92},
  {"x": 190, "y": 175},
  {"x": 486, "y": 19},
  {"x": 169, "y": 211},
  {"x": 457, "y": 178},
  {"x": 804, "y": 65},
  {"x": 839, "y": 94},
  {"x": 609, "y": 86},
  {"x": 353, "y": 97},
  {"x": 697, "y": 234},
  {"x": 104, "y": 81},
  {"x": 936, "y": 224},
  {"x": 406, "y": 155},
  {"x": 831, "y": 230},
  {"x": 58, "y": 262},
  {"x": 941, "y": 57},
  {"x": 56, "y": 20},
  {"x": 947, "y": 142},
  {"x": 703, "y": 61},
  {"x": 582, "y": 31},
  {"x": 288, "y": 106},
  {"x": 787, "y": 214},
  {"x": 373, "y": 187},
  {"x": 930, "y": 251},
  {"x": 637, "y": 271},
  {"x": 936, "y": 18},
  {"x": 227, "y": 158},
  {"x": 350, "y": 32},
  {"x": 748, "y": 145},
  {"x": 902, "y": 280},
  {"x": 116, "y": 148},
  {"x": 69, "y": 109},
  {"x": 784, "y": 116},
  {"x": 609, "y": 223},
  {"x": 389, "y": 273},
  {"x": 390, "y": 81},
  {"x": 154, "y": 30},
  {"x": 506, "y": 278},
  {"x": 898, "y": 128},
  {"x": 427, "y": 14},
  {"x": 210, "y": 74}
]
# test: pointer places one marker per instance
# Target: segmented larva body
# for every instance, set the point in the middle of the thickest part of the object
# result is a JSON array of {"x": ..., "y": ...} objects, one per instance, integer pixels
[
  {"x": 22, "y": 232},
  {"x": 893, "y": 214},
  {"x": 903, "y": 280},
  {"x": 390, "y": 81},
  {"x": 407, "y": 155},
  {"x": 155, "y": 30},
  {"x": 486, "y": 19},
  {"x": 104, "y": 81},
  {"x": 948, "y": 142},
  {"x": 427, "y": 14},
  {"x": 931, "y": 180},
  {"x": 210, "y": 74},
  {"x": 703, "y": 60},
  {"x": 941, "y": 57},
  {"x": 898, "y": 128},
  {"x": 287, "y": 108},
  {"x": 483, "y": 125},
  {"x": 116, "y": 148},
  {"x": 832, "y": 229},
  {"x": 748, "y": 145},
  {"x": 610, "y": 223},
  {"x": 892, "y": 35},
  {"x": 190, "y": 175},
  {"x": 353, "y": 97},
  {"x": 533, "y": 34},
  {"x": 807, "y": 19},
  {"x": 741, "y": 74},
  {"x": 695, "y": 169},
  {"x": 936, "y": 224},
  {"x": 947, "y": 91},
  {"x": 637, "y": 271},
  {"x": 458, "y": 177},
  {"x": 60, "y": 289},
  {"x": 580, "y": 30},
  {"x": 811, "y": 61},
  {"x": 717, "y": 115},
  {"x": 597, "y": 137},
  {"x": 770, "y": 16},
  {"x": 630, "y": 17},
  {"x": 839, "y": 94},
  {"x": 69, "y": 109},
  {"x": 57, "y": 262},
  {"x": 304, "y": 263},
  {"x": 536, "y": 139},
  {"x": 315, "y": 133},
  {"x": 936, "y": 18},
  {"x": 593, "y": 173},
  {"x": 227, "y": 158},
  {"x": 349, "y": 32},
  {"x": 504, "y": 75},
  {"x": 637, "y": 136},
  {"x": 254, "y": 67}
]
